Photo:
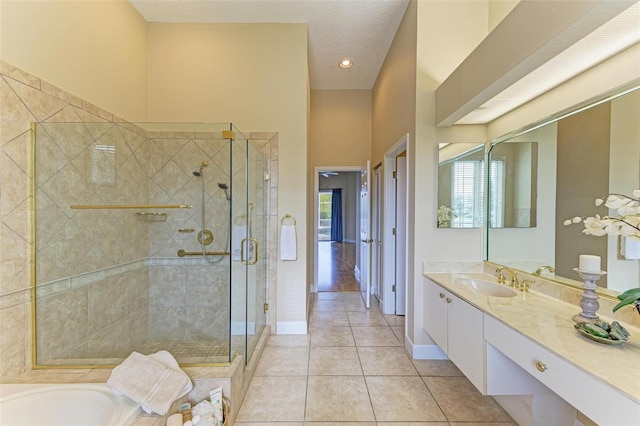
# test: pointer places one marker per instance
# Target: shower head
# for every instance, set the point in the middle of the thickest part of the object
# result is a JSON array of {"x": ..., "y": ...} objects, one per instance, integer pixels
[
  {"x": 198, "y": 172},
  {"x": 225, "y": 188}
]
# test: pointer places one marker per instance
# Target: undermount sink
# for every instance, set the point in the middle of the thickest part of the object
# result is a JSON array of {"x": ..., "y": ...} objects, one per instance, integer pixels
[{"x": 488, "y": 288}]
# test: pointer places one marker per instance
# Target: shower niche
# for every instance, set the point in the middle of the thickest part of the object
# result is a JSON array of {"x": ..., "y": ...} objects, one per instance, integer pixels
[{"x": 148, "y": 236}]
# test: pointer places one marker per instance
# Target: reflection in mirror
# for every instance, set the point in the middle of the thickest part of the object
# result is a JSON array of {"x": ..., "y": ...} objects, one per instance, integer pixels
[
  {"x": 513, "y": 189},
  {"x": 580, "y": 158},
  {"x": 460, "y": 185}
]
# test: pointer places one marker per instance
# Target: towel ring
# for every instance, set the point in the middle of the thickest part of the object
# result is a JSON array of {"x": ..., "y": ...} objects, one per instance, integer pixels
[{"x": 288, "y": 216}]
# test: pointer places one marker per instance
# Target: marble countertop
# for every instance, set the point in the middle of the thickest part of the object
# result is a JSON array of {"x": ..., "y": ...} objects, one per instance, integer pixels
[{"x": 547, "y": 321}]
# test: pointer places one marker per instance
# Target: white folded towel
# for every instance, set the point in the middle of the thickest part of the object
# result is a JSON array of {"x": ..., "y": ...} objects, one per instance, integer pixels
[
  {"x": 630, "y": 248},
  {"x": 154, "y": 381},
  {"x": 288, "y": 243},
  {"x": 238, "y": 234}
]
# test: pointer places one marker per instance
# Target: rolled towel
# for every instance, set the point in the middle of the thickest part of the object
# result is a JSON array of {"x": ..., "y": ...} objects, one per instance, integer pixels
[
  {"x": 288, "y": 243},
  {"x": 153, "y": 381}
]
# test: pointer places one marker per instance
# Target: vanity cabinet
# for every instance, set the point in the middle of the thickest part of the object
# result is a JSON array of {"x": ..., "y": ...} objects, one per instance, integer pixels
[
  {"x": 596, "y": 399},
  {"x": 457, "y": 328}
]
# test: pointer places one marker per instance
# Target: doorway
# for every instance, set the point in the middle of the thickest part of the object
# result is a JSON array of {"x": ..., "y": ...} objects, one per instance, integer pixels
[
  {"x": 336, "y": 225},
  {"x": 394, "y": 228}
]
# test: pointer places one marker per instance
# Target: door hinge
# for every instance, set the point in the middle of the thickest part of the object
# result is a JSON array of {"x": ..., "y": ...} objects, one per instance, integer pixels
[
  {"x": 393, "y": 288},
  {"x": 267, "y": 177},
  {"x": 395, "y": 175},
  {"x": 266, "y": 307},
  {"x": 393, "y": 231}
]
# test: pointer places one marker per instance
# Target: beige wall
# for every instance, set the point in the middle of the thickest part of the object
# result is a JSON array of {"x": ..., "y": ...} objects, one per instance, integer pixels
[
  {"x": 340, "y": 128},
  {"x": 339, "y": 135},
  {"x": 254, "y": 76},
  {"x": 96, "y": 50}
]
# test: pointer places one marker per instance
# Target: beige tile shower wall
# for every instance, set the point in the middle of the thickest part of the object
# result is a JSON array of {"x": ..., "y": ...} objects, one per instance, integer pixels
[
  {"x": 171, "y": 165},
  {"x": 100, "y": 315},
  {"x": 188, "y": 300},
  {"x": 24, "y": 99}
]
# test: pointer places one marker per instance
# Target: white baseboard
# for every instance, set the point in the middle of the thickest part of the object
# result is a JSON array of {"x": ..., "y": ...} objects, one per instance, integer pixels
[
  {"x": 423, "y": 351},
  {"x": 291, "y": 327}
]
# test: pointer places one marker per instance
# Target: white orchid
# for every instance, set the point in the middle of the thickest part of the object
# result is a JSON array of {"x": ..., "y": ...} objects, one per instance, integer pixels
[{"x": 625, "y": 218}]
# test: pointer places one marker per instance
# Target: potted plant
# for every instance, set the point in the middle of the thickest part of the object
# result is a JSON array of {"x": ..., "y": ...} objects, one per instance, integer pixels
[{"x": 624, "y": 220}]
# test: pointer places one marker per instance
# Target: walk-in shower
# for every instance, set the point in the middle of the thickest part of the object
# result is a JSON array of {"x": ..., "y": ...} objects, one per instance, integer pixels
[{"x": 134, "y": 247}]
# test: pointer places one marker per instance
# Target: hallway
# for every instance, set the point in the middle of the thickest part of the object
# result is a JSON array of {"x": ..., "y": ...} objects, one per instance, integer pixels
[
  {"x": 336, "y": 263},
  {"x": 352, "y": 369}
]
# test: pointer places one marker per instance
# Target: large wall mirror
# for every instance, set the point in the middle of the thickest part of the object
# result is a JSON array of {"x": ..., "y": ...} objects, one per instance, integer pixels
[{"x": 578, "y": 159}]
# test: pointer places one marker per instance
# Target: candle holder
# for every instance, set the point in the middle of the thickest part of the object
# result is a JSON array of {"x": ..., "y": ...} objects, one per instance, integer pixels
[{"x": 588, "y": 298}]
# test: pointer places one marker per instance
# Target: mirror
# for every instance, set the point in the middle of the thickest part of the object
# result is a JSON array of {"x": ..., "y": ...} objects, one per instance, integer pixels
[
  {"x": 580, "y": 158},
  {"x": 513, "y": 184},
  {"x": 460, "y": 185}
]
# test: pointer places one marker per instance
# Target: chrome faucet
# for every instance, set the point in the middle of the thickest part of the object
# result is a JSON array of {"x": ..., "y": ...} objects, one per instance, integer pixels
[{"x": 541, "y": 269}]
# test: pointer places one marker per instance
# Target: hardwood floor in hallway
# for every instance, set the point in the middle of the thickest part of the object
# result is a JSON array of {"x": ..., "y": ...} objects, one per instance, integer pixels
[{"x": 336, "y": 263}]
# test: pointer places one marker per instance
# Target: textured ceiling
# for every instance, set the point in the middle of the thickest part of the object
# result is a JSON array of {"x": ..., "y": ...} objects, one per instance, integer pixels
[{"x": 361, "y": 30}]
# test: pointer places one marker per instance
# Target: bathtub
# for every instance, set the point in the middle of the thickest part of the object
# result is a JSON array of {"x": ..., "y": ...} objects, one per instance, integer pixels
[{"x": 78, "y": 404}]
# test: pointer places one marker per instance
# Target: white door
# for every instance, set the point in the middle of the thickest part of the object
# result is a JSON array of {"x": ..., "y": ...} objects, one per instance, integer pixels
[
  {"x": 365, "y": 236},
  {"x": 401, "y": 235}
]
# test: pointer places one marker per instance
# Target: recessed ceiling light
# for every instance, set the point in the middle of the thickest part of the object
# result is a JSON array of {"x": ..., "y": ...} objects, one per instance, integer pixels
[{"x": 346, "y": 63}]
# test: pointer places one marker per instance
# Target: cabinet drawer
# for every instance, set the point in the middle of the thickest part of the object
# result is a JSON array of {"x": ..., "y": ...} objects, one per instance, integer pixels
[{"x": 597, "y": 400}]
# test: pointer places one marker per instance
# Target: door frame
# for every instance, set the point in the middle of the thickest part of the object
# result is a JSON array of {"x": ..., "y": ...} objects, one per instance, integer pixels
[
  {"x": 316, "y": 192},
  {"x": 389, "y": 222}
]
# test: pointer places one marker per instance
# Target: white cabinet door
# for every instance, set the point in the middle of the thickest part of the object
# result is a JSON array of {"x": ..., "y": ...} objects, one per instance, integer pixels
[
  {"x": 435, "y": 313},
  {"x": 457, "y": 327},
  {"x": 466, "y": 340}
]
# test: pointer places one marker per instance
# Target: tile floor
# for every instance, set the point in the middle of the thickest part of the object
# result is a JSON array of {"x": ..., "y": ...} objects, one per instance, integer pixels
[{"x": 352, "y": 369}]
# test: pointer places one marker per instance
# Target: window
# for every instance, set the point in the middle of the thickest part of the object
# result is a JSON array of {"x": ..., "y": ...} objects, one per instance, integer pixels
[
  {"x": 467, "y": 193},
  {"x": 324, "y": 216}
]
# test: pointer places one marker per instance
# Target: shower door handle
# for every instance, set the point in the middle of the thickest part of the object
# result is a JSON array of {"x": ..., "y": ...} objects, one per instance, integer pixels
[{"x": 242, "y": 246}]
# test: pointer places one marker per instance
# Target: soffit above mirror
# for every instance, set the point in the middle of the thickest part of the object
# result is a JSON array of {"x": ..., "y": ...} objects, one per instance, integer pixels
[{"x": 541, "y": 56}]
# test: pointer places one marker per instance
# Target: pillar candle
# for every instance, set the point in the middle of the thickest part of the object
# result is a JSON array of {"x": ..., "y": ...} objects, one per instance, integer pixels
[{"x": 589, "y": 263}]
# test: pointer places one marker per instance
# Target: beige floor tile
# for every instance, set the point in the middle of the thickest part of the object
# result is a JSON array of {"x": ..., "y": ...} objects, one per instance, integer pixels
[
  {"x": 328, "y": 295},
  {"x": 414, "y": 424},
  {"x": 274, "y": 399},
  {"x": 399, "y": 332},
  {"x": 355, "y": 306},
  {"x": 340, "y": 424},
  {"x": 482, "y": 424},
  {"x": 436, "y": 367},
  {"x": 338, "y": 398},
  {"x": 331, "y": 336},
  {"x": 321, "y": 319},
  {"x": 280, "y": 423},
  {"x": 288, "y": 340},
  {"x": 461, "y": 401},
  {"x": 366, "y": 319},
  {"x": 402, "y": 399},
  {"x": 395, "y": 320},
  {"x": 386, "y": 361},
  {"x": 329, "y": 306},
  {"x": 283, "y": 361},
  {"x": 374, "y": 336},
  {"x": 334, "y": 361}
]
